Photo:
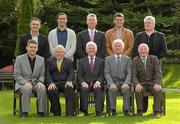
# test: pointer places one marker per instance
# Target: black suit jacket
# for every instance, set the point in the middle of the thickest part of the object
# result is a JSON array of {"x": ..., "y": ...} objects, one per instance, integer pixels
[
  {"x": 52, "y": 74},
  {"x": 84, "y": 73},
  {"x": 83, "y": 38},
  {"x": 43, "y": 45},
  {"x": 157, "y": 43}
]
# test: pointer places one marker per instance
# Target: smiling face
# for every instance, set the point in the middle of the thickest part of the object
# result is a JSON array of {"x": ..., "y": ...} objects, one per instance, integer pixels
[
  {"x": 91, "y": 21},
  {"x": 117, "y": 48},
  {"x": 91, "y": 50},
  {"x": 35, "y": 25},
  {"x": 59, "y": 53},
  {"x": 119, "y": 21},
  {"x": 143, "y": 50},
  {"x": 62, "y": 20},
  {"x": 32, "y": 48}
]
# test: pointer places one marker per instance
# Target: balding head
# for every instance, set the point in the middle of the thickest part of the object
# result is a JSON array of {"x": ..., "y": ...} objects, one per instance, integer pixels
[
  {"x": 118, "y": 46},
  {"x": 143, "y": 50}
]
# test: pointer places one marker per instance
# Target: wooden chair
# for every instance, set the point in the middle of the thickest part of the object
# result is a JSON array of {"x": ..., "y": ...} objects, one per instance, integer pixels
[
  {"x": 6, "y": 77},
  {"x": 120, "y": 94},
  {"x": 162, "y": 101}
]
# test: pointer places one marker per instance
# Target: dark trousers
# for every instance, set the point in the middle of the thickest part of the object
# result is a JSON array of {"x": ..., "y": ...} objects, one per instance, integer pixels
[
  {"x": 98, "y": 95},
  {"x": 69, "y": 98},
  {"x": 140, "y": 100}
]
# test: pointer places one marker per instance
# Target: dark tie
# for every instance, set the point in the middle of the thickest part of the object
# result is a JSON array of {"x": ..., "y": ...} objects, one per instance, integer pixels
[
  {"x": 91, "y": 65},
  {"x": 118, "y": 63}
]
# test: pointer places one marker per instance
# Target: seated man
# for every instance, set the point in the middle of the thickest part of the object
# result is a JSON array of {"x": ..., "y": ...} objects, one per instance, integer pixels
[
  {"x": 91, "y": 78},
  {"x": 29, "y": 75},
  {"x": 146, "y": 76},
  {"x": 118, "y": 76},
  {"x": 59, "y": 77}
]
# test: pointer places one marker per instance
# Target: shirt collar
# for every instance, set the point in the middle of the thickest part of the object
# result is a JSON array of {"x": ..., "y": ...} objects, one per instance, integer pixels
[
  {"x": 144, "y": 58},
  {"x": 89, "y": 30},
  {"x": 65, "y": 30},
  {"x": 91, "y": 57},
  {"x": 35, "y": 35},
  {"x": 118, "y": 55}
]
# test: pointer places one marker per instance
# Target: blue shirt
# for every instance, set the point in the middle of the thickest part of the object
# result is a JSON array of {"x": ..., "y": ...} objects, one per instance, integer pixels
[{"x": 62, "y": 36}]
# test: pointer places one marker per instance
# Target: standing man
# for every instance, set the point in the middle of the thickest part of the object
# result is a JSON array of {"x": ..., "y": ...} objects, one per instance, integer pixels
[
  {"x": 155, "y": 41},
  {"x": 91, "y": 34},
  {"x": 120, "y": 32},
  {"x": 62, "y": 35},
  {"x": 146, "y": 76},
  {"x": 118, "y": 76},
  {"x": 91, "y": 78},
  {"x": 29, "y": 76},
  {"x": 59, "y": 77},
  {"x": 42, "y": 40}
]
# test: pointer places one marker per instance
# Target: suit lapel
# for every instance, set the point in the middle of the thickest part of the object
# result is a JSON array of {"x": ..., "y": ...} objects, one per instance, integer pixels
[
  {"x": 27, "y": 64},
  {"x": 87, "y": 35}
]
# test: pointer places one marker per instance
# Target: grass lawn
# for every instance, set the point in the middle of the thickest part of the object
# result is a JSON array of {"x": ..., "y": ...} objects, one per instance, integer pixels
[{"x": 171, "y": 79}]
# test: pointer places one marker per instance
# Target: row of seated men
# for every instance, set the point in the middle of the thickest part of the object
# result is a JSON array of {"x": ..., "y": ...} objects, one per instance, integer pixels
[{"x": 55, "y": 75}]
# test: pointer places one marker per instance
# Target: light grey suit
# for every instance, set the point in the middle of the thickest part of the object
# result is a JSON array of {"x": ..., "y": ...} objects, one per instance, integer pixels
[
  {"x": 70, "y": 47},
  {"x": 23, "y": 74},
  {"x": 118, "y": 75}
]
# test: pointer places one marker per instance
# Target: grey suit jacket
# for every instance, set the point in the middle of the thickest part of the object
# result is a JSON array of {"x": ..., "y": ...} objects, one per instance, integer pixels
[
  {"x": 23, "y": 72},
  {"x": 70, "y": 47},
  {"x": 111, "y": 70}
]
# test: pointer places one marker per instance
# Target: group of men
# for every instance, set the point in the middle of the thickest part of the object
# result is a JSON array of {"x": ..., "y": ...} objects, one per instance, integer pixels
[{"x": 104, "y": 63}]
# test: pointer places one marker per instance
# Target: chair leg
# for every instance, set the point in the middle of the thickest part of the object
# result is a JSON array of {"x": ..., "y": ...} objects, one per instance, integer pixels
[
  {"x": 14, "y": 105},
  {"x": 47, "y": 106},
  {"x": 132, "y": 103},
  {"x": 164, "y": 102}
]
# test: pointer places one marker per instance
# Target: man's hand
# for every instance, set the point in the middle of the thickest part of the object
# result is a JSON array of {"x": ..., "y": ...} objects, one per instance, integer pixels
[
  {"x": 28, "y": 85},
  {"x": 70, "y": 84},
  {"x": 40, "y": 85},
  {"x": 97, "y": 84},
  {"x": 157, "y": 87},
  {"x": 125, "y": 86},
  {"x": 52, "y": 86},
  {"x": 84, "y": 84},
  {"x": 112, "y": 86},
  {"x": 138, "y": 88}
]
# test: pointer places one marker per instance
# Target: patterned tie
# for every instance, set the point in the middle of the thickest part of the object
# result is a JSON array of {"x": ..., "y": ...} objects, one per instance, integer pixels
[
  {"x": 59, "y": 66},
  {"x": 144, "y": 63},
  {"x": 91, "y": 35}
]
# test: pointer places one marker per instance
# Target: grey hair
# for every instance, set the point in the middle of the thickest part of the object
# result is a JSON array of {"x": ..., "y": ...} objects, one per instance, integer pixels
[
  {"x": 150, "y": 17},
  {"x": 59, "y": 47},
  {"x": 91, "y": 15},
  {"x": 142, "y": 44},
  {"x": 118, "y": 41},
  {"x": 92, "y": 43}
]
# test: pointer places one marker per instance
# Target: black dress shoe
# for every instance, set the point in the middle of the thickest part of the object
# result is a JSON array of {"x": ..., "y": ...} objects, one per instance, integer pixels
[
  {"x": 140, "y": 113},
  {"x": 126, "y": 113},
  {"x": 85, "y": 113},
  {"x": 41, "y": 114},
  {"x": 154, "y": 114},
  {"x": 24, "y": 114},
  {"x": 113, "y": 112},
  {"x": 99, "y": 113}
]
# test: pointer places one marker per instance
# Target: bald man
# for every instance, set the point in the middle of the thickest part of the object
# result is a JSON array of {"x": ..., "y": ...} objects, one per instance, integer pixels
[{"x": 146, "y": 76}]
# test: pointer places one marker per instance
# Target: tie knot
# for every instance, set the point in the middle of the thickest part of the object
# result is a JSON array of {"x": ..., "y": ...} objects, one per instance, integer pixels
[
  {"x": 118, "y": 57},
  {"x": 91, "y": 58}
]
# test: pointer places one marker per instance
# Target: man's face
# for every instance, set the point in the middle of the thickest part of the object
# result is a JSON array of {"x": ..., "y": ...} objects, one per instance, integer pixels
[
  {"x": 119, "y": 21},
  {"x": 59, "y": 53},
  {"x": 35, "y": 25},
  {"x": 149, "y": 25},
  {"x": 91, "y": 50},
  {"x": 91, "y": 22},
  {"x": 143, "y": 51},
  {"x": 62, "y": 20},
  {"x": 118, "y": 48},
  {"x": 32, "y": 48}
]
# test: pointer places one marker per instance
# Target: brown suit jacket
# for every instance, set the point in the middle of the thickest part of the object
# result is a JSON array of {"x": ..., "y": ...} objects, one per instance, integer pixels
[
  {"x": 127, "y": 37},
  {"x": 152, "y": 75}
]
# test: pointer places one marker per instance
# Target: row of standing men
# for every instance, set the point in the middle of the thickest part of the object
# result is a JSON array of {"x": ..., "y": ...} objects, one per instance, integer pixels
[{"x": 66, "y": 37}]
